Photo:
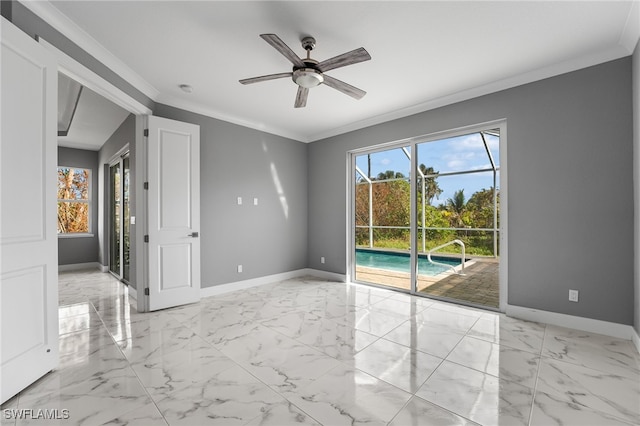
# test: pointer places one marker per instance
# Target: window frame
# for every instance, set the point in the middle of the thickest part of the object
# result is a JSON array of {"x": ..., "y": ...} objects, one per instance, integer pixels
[{"x": 88, "y": 201}]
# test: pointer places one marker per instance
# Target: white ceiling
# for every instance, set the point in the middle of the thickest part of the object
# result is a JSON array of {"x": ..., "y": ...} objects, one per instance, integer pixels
[
  {"x": 93, "y": 123},
  {"x": 424, "y": 54}
]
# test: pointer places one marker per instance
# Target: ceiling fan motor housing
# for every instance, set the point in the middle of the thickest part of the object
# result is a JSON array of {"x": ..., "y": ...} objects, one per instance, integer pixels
[{"x": 307, "y": 77}]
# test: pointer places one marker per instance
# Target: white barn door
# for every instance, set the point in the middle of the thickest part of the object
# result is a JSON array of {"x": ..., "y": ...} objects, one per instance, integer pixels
[
  {"x": 28, "y": 236},
  {"x": 174, "y": 212}
]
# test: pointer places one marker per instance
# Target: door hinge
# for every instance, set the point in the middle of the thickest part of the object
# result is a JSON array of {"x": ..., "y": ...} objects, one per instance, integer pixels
[
  {"x": 146, "y": 291},
  {"x": 146, "y": 185},
  {"x": 146, "y": 132},
  {"x": 146, "y": 238}
]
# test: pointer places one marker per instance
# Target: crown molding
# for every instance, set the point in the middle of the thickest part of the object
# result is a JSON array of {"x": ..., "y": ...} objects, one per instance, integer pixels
[
  {"x": 631, "y": 31},
  {"x": 213, "y": 113},
  {"x": 59, "y": 21}
]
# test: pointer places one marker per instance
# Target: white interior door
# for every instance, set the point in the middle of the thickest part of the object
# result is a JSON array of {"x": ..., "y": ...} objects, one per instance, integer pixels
[
  {"x": 28, "y": 236},
  {"x": 174, "y": 213}
]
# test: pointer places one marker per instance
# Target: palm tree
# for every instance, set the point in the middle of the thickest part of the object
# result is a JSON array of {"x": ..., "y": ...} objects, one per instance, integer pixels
[
  {"x": 457, "y": 206},
  {"x": 389, "y": 174},
  {"x": 431, "y": 188}
]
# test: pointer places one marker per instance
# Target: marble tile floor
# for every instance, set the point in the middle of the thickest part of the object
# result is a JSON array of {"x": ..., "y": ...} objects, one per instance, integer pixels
[{"x": 313, "y": 352}]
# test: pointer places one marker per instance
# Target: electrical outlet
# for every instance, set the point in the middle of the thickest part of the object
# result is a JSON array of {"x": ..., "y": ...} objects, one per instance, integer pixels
[
  {"x": 255, "y": 201},
  {"x": 239, "y": 268},
  {"x": 239, "y": 201},
  {"x": 322, "y": 259},
  {"x": 573, "y": 295}
]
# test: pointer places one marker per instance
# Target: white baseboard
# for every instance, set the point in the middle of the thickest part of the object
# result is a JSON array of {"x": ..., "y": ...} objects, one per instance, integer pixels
[
  {"x": 269, "y": 279},
  {"x": 635, "y": 338},
  {"x": 133, "y": 293},
  {"x": 612, "y": 329},
  {"x": 81, "y": 266},
  {"x": 330, "y": 276}
]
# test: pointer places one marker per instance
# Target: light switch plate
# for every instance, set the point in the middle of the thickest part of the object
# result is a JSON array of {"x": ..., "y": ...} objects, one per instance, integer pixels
[{"x": 573, "y": 295}]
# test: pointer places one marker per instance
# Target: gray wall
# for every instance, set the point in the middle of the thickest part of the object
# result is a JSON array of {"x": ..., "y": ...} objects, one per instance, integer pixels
[
  {"x": 81, "y": 249},
  {"x": 636, "y": 180},
  {"x": 235, "y": 161},
  {"x": 125, "y": 134},
  {"x": 570, "y": 187}
]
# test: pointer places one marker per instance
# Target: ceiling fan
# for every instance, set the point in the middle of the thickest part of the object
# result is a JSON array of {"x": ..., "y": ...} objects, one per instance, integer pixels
[{"x": 308, "y": 73}]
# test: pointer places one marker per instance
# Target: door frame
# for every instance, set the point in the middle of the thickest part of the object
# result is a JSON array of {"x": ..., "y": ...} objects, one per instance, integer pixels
[
  {"x": 118, "y": 158},
  {"x": 413, "y": 143},
  {"x": 83, "y": 75}
]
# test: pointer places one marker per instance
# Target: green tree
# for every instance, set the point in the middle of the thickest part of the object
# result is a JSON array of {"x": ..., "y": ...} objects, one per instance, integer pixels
[
  {"x": 431, "y": 188},
  {"x": 389, "y": 174},
  {"x": 481, "y": 206},
  {"x": 457, "y": 206}
]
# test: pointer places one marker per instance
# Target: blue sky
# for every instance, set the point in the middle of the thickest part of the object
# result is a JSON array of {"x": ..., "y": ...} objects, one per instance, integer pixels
[{"x": 460, "y": 153}]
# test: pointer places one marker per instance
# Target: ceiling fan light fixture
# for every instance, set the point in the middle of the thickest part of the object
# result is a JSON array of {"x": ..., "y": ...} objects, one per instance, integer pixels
[{"x": 307, "y": 77}]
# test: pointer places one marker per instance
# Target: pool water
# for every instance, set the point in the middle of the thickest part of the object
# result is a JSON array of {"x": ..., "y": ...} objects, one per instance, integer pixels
[{"x": 400, "y": 262}]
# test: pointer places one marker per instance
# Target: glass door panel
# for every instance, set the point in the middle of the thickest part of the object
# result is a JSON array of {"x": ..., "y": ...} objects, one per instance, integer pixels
[
  {"x": 119, "y": 219},
  {"x": 114, "y": 218},
  {"x": 382, "y": 209},
  {"x": 126, "y": 220},
  {"x": 457, "y": 212}
]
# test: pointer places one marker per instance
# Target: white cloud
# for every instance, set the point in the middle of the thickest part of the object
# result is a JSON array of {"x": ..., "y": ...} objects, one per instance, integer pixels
[{"x": 455, "y": 164}]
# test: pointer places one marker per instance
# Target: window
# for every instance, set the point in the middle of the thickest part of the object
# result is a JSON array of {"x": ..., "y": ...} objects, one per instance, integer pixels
[{"x": 74, "y": 201}]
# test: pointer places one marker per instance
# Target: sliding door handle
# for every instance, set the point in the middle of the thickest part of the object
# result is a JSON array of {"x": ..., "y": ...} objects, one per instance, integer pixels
[{"x": 193, "y": 234}]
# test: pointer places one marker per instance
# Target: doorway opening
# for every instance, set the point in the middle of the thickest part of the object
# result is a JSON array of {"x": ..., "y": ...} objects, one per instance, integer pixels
[{"x": 426, "y": 216}]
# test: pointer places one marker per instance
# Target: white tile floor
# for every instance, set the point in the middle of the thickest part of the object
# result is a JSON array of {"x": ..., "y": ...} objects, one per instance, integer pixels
[{"x": 308, "y": 351}]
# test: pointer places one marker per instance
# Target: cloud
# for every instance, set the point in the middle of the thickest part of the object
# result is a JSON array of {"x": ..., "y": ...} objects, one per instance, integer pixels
[
  {"x": 473, "y": 142},
  {"x": 456, "y": 164},
  {"x": 385, "y": 161}
]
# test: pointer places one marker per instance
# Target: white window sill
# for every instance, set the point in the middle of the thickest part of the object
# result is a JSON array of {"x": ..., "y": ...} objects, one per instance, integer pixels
[{"x": 78, "y": 235}]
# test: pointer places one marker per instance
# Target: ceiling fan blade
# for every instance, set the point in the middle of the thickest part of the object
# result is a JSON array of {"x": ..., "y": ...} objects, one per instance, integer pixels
[
  {"x": 343, "y": 87},
  {"x": 266, "y": 77},
  {"x": 349, "y": 58},
  {"x": 301, "y": 97},
  {"x": 281, "y": 47}
]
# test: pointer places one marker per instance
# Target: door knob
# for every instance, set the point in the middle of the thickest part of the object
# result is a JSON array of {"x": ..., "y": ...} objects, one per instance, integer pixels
[{"x": 193, "y": 234}]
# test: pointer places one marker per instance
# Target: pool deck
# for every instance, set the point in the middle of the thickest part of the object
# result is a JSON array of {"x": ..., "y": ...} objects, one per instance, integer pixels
[{"x": 479, "y": 285}]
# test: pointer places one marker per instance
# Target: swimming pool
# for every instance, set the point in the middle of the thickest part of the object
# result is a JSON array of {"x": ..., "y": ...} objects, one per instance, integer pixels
[{"x": 400, "y": 262}]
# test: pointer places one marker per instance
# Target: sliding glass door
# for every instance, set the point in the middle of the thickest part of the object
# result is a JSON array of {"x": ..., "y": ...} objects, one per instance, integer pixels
[
  {"x": 458, "y": 218},
  {"x": 119, "y": 218},
  {"x": 382, "y": 216},
  {"x": 426, "y": 216}
]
